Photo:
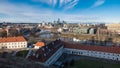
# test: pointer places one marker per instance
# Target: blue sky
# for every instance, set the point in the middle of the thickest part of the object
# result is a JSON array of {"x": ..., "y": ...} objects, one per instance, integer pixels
[{"x": 69, "y": 10}]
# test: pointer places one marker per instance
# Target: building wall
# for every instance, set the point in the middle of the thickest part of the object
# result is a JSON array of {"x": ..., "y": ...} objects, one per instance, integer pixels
[
  {"x": 113, "y": 27},
  {"x": 80, "y": 30},
  {"x": 97, "y": 54},
  {"x": 91, "y": 31},
  {"x": 13, "y": 45},
  {"x": 37, "y": 47},
  {"x": 54, "y": 57}
]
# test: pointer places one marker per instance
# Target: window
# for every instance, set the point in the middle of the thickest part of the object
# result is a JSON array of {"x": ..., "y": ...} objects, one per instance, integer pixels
[
  {"x": 37, "y": 55},
  {"x": 43, "y": 49},
  {"x": 113, "y": 58},
  {"x": 99, "y": 52},
  {"x": 50, "y": 50},
  {"x": 99, "y": 55},
  {"x": 117, "y": 59},
  {"x": 80, "y": 52},
  {"x": 44, "y": 54},
  {"x": 104, "y": 53}
]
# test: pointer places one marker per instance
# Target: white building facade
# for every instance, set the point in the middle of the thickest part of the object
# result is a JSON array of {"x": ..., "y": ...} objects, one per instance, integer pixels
[
  {"x": 13, "y": 43},
  {"x": 96, "y": 54},
  {"x": 54, "y": 57},
  {"x": 48, "y": 54}
]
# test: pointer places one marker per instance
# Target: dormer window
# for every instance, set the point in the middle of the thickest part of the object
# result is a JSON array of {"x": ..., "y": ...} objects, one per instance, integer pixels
[
  {"x": 44, "y": 54},
  {"x": 52, "y": 43},
  {"x": 49, "y": 50},
  {"x": 47, "y": 47},
  {"x": 37, "y": 55},
  {"x": 43, "y": 49}
]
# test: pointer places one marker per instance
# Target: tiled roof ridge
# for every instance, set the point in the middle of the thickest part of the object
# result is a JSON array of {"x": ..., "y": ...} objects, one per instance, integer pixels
[
  {"x": 110, "y": 49},
  {"x": 40, "y": 43},
  {"x": 12, "y": 39},
  {"x": 53, "y": 47}
]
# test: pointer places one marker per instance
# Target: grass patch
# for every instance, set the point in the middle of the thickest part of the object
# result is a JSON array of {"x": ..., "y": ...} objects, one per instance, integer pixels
[
  {"x": 94, "y": 64},
  {"x": 22, "y": 53}
]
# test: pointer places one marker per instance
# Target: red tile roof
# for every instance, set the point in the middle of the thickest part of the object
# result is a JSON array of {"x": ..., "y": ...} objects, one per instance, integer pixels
[
  {"x": 40, "y": 44},
  {"x": 110, "y": 49},
  {"x": 12, "y": 39},
  {"x": 47, "y": 51}
]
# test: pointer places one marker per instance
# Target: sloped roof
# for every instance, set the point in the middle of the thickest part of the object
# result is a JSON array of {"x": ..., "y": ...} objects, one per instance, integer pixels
[
  {"x": 40, "y": 44},
  {"x": 12, "y": 39},
  {"x": 109, "y": 49},
  {"x": 47, "y": 51}
]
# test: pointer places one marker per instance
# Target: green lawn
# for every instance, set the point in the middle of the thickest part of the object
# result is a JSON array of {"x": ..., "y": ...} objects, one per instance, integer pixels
[
  {"x": 94, "y": 64},
  {"x": 22, "y": 53}
]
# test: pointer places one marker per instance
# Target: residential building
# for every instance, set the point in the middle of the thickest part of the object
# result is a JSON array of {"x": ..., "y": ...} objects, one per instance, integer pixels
[
  {"x": 39, "y": 44},
  {"x": 80, "y": 30},
  {"x": 13, "y": 42},
  {"x": 92, "y": 31},
  {"x": 59, "y": 30},
  {"x": 48, "y": 54},
  {"x": 113, "y": 27},
  {"x": 105, "y": 52}
]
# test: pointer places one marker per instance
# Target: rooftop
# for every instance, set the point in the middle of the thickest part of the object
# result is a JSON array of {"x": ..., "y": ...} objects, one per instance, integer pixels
[
  {"x": 12, "y": 39},
  {"x": 45, "y": 52},
  {"x": 109, "y": 49},
  {"x": 40, "y": 44}
]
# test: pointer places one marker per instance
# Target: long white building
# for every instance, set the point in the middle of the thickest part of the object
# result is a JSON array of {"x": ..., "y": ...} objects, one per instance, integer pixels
[
  {"x": 48, "y": 54},
  {"x": 13, "y": 42},
  {"x": 104, "y": 52}
]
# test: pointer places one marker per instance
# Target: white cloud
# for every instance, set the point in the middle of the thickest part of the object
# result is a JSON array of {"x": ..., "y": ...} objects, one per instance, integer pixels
[
  {"x": 71, "y": 5},
  {"x": 98, "y": 3},
  {"x": 25, "y": 13},
  {"x": 79, "y": 18},
  {"x": 49, "y": 2},
  {"x": 64, "y": 4},
  {"x": 10, "y": 12},
  {"x": 54, "y": 2},
  {"x": 22, "y": 13}
]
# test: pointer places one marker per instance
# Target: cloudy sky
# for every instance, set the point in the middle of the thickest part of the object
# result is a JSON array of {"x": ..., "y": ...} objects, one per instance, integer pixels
[{"x": 68, "y": 10}]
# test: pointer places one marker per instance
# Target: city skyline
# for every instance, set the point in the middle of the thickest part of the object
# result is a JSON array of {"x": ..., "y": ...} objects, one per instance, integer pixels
[{"x": 68, "y": 10}]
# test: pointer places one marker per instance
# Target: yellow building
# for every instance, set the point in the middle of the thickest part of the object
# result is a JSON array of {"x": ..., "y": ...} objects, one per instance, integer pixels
[{"x": 115, "y": 27}]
